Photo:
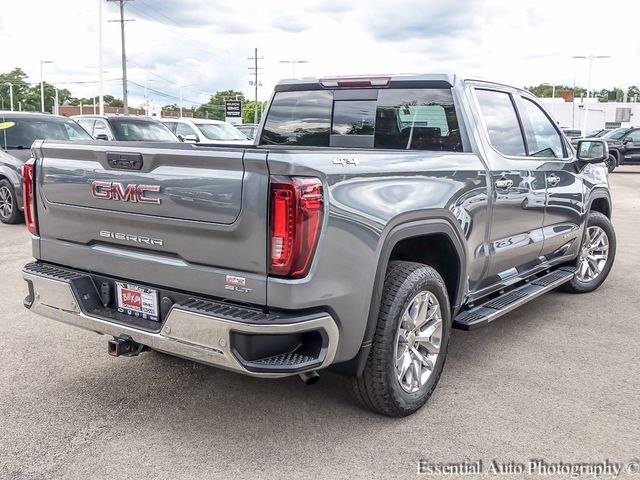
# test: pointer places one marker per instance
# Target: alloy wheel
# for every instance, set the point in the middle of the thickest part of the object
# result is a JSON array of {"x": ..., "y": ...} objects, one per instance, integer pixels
[
  {"x": 6, "y": 202},
  {"x": 594, "y": 254},
  {"x": 418, "y": 341}
]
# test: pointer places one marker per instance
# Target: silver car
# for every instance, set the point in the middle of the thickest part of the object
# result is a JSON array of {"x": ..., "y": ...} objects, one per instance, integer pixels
[{"x": 201, "y": 130}]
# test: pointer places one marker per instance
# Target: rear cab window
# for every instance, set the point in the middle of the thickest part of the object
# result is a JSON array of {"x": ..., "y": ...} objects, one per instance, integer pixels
[{"x": 389, "y": 118}]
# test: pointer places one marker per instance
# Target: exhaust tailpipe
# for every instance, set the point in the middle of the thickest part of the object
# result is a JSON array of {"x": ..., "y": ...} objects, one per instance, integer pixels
[{"x": 309, "y": 378}]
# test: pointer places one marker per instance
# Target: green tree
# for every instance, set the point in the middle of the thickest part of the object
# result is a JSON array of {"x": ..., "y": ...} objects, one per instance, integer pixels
[
  {"x": 21, "y": 87},
  {"x": 249, "y": 109},
  {"x": 545, "y": 90}
]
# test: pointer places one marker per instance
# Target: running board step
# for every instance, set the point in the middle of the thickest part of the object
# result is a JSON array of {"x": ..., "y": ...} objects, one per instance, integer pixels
[{"x": 487, "y": 312}]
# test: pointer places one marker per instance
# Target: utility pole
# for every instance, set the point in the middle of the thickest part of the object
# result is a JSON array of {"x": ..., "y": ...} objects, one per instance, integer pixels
[
  {"x": 124, "y": 54},
  {"x": 255, "y": 82},
  {"x": 589, "y": 57}
]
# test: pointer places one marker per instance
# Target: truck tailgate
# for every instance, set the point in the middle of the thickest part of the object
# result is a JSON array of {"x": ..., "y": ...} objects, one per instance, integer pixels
[{"x": 178, "y": 216}]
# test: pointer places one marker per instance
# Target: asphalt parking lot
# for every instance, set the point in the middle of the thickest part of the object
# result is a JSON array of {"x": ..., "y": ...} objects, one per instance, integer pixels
[{"x": 558, "y": 379}]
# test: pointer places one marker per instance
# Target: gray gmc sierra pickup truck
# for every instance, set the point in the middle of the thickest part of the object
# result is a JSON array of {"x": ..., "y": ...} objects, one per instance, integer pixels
[{"x": 371, "y": 216}]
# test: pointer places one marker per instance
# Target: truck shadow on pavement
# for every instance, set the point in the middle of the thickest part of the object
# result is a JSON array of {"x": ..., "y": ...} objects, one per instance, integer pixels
[{"x": 181, "y": 392}]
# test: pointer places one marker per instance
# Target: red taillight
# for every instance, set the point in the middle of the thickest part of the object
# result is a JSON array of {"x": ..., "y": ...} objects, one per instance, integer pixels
[
  {"x": 296, "y": 218},
  {"x": 28, "y": 179}
]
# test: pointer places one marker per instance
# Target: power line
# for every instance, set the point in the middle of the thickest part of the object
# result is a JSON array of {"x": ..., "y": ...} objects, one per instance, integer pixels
[
  {"x": 164, "y": 94},
  {"x": 154, "y": 9},
  {"x": 124, "y": 53}
]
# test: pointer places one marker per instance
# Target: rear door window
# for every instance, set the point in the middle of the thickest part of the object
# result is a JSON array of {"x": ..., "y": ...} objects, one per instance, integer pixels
[{"x": 501, "y": 121}]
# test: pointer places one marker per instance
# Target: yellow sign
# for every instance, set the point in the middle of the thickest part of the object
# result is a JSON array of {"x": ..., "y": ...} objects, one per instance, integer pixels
[{"x": 6, "y": 125}]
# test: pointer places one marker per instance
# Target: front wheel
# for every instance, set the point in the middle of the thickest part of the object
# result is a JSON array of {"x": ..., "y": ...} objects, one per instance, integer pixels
[
  {"x": 611, "y": 163},
  {"x": 597, "y": 252},
  {"x": 410, "y": 343}
]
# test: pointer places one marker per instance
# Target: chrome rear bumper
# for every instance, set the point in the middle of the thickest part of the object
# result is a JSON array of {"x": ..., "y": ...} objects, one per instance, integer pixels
[{"x": 197, "y": 336}]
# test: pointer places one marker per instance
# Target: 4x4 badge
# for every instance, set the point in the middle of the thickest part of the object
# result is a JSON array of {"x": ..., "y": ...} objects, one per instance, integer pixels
[{"x": 344, "y": 161}]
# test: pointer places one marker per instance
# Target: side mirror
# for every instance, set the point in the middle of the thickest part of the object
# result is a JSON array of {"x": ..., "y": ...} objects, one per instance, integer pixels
[
  {"x": 102, "y": 136},
  {"x": 592, "y": 150},
  {"x": 626, "y": 140},
  {"x": 190, "y": 139}
]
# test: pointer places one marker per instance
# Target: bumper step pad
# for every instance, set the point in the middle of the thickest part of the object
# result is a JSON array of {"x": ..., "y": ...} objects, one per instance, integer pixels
[{"x": 236, "y": 337}]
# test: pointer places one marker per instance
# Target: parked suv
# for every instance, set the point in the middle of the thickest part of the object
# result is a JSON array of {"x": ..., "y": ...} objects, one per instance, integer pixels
[
  {"x": 125, "y": 128},
  {"x": 17, "y": 132},
  {"x": 373, "y": 215},
  {"x": 624, "y": 146},
  {"x": 201, "y": 130}
]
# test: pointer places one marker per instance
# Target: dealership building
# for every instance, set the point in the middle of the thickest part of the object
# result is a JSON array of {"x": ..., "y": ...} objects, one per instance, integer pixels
[{"x": 571, "y": 114}]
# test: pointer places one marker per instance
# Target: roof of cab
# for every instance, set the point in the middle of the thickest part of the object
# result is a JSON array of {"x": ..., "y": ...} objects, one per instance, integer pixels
[{"x": 408, "y": 80}]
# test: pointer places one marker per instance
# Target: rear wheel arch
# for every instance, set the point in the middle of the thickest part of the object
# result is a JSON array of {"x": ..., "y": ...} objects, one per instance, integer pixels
[{"x": 400, "y": 245}]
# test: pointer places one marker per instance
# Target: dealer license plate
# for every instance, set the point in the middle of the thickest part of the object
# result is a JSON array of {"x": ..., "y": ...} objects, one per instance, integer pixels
[{"x": 137, "y": 301}]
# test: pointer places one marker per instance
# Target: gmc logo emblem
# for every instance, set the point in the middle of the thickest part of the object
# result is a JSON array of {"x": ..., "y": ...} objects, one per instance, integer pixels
[{"x": 131, "y": 193}]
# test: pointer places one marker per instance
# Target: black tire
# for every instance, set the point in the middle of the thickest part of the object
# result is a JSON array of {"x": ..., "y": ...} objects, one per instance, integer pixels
[
  {"x": 378, "y": 388},
  {"x": 595, "y": 219},
  {"x": 611, "y": 163},
  {"x": 9, "y": 211}
]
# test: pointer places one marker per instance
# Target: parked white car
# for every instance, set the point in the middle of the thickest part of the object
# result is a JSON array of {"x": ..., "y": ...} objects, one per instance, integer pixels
[{"x": 200, "y": 130}]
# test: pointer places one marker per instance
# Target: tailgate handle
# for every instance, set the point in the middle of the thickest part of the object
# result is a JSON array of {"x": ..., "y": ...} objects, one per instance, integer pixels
[{"x": 125, "y": 161}]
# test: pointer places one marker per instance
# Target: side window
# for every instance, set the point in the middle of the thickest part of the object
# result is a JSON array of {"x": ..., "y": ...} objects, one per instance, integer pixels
[
  {"x": 299, "y": 118},
  {"x": 74, "y": 132},
  {"x": 100, "y": 128},
  {"x": 87, "y": 124},
  {"x": 502, "y": 122},
  {"x": 634, "y": 136},
  {"x": 543, "y": 139},
  {"x": 183, "y": 130},
  {"x": 171, "y": 126}
]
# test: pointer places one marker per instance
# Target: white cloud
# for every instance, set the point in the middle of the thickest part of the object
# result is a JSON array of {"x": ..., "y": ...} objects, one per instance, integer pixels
[{"x": 204, "y": 44}]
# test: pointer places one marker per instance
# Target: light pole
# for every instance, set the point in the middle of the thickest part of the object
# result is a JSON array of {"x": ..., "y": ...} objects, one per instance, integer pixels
[
  {"x": 589, "y": 57},
  {"x": 293, "y": 62},
  {"x": 10, "y": 95},
  {"x": 101, "y": 79},
  {"x": 42, "y": 62}
]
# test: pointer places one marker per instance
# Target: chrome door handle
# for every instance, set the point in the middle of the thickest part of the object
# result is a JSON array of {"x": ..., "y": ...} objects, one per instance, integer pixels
[
  {"x": 553, "y": 180},
  {"x": 504, "y": 183}
]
